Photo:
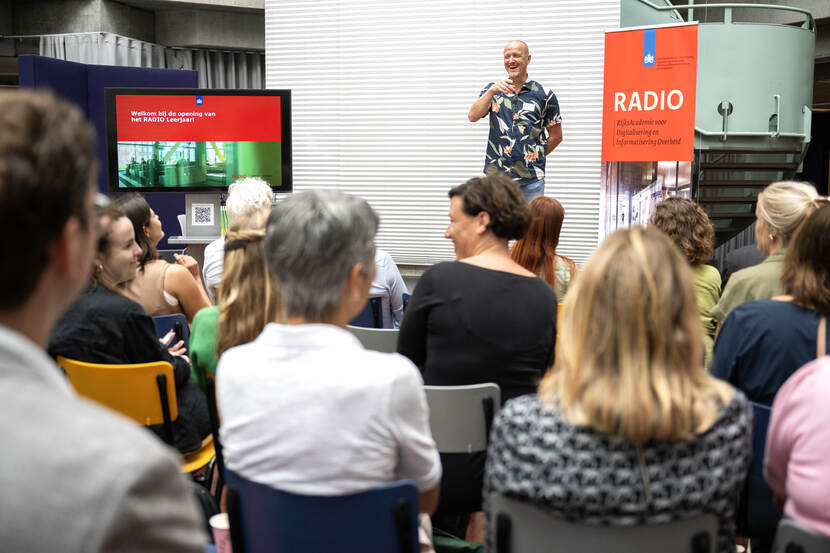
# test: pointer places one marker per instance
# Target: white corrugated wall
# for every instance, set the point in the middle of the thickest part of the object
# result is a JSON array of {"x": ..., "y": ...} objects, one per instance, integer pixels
[{"x": 381, "y": 91}]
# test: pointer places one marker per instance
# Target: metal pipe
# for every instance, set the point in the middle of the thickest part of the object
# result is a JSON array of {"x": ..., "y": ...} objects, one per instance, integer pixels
[
  {"x": 777, "y": 98},
  {"x": 704, "y": 132},
  {"x": 725, "y": 126},
  {"x": 691, "y": 7}
]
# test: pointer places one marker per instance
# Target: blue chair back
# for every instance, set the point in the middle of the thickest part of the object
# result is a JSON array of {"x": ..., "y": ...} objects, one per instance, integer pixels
[
  {"x": 263, "y": 519},
  {"x": 762, "y": 515},
  {"x": 370, "y": 317},
  {"x": 176, "y": 322}
]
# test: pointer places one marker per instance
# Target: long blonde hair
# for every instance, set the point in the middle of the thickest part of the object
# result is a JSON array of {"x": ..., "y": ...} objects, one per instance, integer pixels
[
  {"x": 629, "y": 355},
  {"x": 248, "y": 295}
]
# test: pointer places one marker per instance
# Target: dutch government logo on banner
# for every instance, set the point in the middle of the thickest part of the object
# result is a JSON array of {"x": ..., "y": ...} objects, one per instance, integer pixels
[
  {"x": 199, "y": 101},
  {"x": 649, "y": 41}
]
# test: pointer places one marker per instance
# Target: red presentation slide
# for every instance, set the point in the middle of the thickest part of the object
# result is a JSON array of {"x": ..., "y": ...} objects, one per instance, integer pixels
[{"x": 198, "y": 118}]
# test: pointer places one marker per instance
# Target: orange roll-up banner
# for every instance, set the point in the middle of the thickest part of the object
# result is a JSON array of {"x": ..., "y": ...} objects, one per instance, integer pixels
[{"x": 648, "y": 106}]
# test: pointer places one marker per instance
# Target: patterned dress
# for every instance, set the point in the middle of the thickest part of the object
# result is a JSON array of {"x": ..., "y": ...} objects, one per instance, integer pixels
[{"x": 582, "y": 475}]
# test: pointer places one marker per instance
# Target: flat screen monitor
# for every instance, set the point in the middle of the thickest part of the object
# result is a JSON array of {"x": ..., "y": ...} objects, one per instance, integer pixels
[{"x": 197, "y": 140}]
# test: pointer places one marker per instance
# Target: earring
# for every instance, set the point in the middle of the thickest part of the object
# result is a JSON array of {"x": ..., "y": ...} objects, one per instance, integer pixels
[
  {"x": 98, "y": 269},
  {"x": 771, "y": 237}
]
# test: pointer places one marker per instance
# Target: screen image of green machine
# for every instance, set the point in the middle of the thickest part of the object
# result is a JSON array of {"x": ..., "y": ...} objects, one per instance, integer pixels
[{"x": 197, "y": 164}]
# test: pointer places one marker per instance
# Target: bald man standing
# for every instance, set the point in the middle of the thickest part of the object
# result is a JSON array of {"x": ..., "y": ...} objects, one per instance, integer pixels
[{"x": 525, "y": 124}]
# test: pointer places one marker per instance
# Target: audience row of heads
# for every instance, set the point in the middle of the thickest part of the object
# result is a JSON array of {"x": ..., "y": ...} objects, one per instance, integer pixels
[
  {"x": 782, "y": 210},
  {"x": 633, "y": 300}
]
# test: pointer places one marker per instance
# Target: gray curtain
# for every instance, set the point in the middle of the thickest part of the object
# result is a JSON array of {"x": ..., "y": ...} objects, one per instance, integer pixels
[{"x": 217, "y": 68}]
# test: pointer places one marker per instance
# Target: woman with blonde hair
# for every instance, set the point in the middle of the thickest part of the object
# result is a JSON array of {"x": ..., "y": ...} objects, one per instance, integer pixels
[
  {"x": 536, "y": 251},
  {"x": 780, "y": 209},
  {"x": 248, "y": 298},
  {"x": 762, "y": 343},
  {"x": 627, "y": 428}
]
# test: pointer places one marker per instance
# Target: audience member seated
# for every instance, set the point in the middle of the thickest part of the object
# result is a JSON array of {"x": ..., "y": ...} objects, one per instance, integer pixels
[
  {"x": 75, "y": 477},
  {"x": 482, "y": 318},
  {"x": 246, "y": 197},
  {"x": 248, "y": 298},
  {"x": 305, "y": 408},
  {"x": 763, "y": 342},
  {"x": 741, "y": 258},
  {"x": 627, "y": 428},
  {"x": 390, "y": 287},
  {"x": 780, "y": 209},
  {"x": 161, "y": 288},
  {"x": 102, "y": 326},
  {"x": 689, "y": 228},
  {"x": 798, "y": 444},
  {"x": 536, "y": 252}
]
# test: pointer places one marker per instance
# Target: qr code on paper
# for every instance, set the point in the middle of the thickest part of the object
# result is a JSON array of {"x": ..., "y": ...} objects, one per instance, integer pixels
[{"x": 202, "y": 214}]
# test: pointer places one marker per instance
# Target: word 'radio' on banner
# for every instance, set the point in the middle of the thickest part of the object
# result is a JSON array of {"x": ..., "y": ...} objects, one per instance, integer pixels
[{"x": 648, "y": 110}]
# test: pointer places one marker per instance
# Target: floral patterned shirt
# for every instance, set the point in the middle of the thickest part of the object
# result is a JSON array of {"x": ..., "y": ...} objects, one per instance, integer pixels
[{"x": 516, "y": 144}]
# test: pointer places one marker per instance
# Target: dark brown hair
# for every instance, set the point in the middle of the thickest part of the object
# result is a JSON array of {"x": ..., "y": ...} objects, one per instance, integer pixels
[
  {"x": 500, "y": 197},
  {"x": 536, "y": 252},
  {"x": 688, "y": 226},
  {"x": 137, "y": 210},
  {"x": 47, "y": 166},
  {"x": 104, "y": 218},
  {"x": 806, "y": 271}
]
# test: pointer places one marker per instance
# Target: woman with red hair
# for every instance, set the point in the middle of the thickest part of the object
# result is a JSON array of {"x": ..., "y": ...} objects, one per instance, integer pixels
[{"x": 536, "y": 252}]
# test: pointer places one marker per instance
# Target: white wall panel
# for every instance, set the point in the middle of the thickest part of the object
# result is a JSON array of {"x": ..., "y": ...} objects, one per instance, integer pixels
[{"x": 381, "y": 91}]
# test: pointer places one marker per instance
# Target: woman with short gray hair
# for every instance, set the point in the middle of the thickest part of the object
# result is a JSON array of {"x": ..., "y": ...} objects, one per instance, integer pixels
[
  {"x": 306, "y": 395},
  {"x": 314, "y": 245}
]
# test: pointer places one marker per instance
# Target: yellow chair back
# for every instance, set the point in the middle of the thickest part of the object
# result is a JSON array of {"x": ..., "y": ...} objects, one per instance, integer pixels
[{"x": 129, "y": 389}]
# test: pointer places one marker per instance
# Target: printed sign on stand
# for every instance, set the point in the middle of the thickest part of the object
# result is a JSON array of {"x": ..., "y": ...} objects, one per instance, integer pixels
[{"x": 648, "y": 119}]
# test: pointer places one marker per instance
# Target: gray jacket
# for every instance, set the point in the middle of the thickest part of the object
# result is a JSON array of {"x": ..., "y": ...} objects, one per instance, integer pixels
[{"x": 77, "y": 478}]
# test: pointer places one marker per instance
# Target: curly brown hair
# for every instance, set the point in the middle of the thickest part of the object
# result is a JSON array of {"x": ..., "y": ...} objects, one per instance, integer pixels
[
  {"x": 500, "y": 197},
  {"x": 688, "y": 226}
]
